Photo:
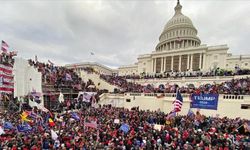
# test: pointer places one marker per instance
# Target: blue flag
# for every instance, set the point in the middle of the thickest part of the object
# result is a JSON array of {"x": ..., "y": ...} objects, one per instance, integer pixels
[
  {"x": 171, "y": 115},
  {"x": 190, "y": 113},
  {"x": 75, "y": 116},
  {"x": 24, "y": 127},
  {"x": 7, "y": 125},
  {"x": 125, "y": 128}
]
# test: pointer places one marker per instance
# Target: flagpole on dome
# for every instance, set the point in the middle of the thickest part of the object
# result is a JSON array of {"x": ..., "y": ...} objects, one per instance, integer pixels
[{"x": 92, "y": 54}]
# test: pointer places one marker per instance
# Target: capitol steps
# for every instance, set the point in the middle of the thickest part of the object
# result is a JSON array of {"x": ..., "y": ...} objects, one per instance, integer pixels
[{"x": 100, "y": 83}]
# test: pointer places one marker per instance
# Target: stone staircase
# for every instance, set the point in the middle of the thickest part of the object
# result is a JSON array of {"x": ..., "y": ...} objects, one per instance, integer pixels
[{"x": 102, "y": 84}]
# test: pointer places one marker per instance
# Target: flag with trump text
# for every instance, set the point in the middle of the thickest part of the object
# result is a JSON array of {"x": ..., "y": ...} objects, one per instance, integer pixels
[{"x": 178, "y": 102}]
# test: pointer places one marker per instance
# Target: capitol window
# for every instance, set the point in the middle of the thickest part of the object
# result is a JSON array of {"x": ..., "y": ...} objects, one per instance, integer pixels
[{"x": 246, "y": 64}]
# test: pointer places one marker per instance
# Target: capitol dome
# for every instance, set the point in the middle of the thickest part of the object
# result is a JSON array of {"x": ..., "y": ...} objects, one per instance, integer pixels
[{"x": 179, "y": 32}]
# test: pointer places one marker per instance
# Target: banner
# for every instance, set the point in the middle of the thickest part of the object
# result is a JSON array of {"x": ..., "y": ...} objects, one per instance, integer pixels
[
  {"x": 86, "y": 96},
  {"x": 204, "y": 101}
]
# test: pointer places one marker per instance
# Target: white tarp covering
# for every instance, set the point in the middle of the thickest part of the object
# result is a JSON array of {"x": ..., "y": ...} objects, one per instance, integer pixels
[{"x": 26, "y": 78}]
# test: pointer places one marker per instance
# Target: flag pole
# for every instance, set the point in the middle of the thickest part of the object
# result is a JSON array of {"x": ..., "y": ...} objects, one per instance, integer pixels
[{"x": 177, "y": 90}]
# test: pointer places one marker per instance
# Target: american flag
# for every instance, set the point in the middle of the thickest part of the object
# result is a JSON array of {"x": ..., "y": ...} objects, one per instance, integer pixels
[
  {"x": 50, "y": 62},
  {"x": 91, "y": 124},
  {"x": 6, "y": 79},
  {"x": 178, "y": 102},
  {"x": 5, "y": 46}
]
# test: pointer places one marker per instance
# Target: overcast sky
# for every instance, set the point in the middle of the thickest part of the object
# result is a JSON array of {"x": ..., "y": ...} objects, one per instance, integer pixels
[{"x": 115, "y": 31}]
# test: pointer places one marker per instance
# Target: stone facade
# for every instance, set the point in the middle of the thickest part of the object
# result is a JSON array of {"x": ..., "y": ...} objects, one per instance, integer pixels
[
  {"x": 99, "y": 68},
  {"x": 179, "y": 49}
]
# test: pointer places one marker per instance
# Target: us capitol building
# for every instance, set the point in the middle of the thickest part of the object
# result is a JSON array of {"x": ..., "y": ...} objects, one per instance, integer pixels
[{"x": 180, "y": 49}]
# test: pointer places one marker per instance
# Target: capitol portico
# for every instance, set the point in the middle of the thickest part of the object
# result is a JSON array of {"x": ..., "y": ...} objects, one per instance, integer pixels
[{"x": 180, "y": 49}]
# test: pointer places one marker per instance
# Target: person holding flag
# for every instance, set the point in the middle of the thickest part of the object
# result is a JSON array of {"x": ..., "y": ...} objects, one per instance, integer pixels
[
  {"x": 178, "y": 102},
  {"x": 177, "y": 105}
]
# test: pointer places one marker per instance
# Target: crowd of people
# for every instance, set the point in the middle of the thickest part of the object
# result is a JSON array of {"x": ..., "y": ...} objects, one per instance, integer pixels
[
  {"x": 61, "y": 76},
  {"x": 122, "y": 83},
  {"x": 215, "y": 72},
  {"x": 7, "y": 58},
  {"x": 234, "y": 86},
  {"x": 107, "y": 127}
]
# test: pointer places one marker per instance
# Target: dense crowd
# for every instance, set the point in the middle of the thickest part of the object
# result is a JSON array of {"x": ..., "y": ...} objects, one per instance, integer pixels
[
  {"x": 118, "y": 128},
  {"x": 212, "y": 73},
  {"x": 122, "y": 83},
  {"x": 61, "y": 76},
  {"x": 234, "y": 86},
  {"x": 7, "y": 58}
]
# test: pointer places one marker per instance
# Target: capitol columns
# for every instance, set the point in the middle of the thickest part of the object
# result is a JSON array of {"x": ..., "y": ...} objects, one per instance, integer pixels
[
  {"x": 162, "y": 60},
  {"x": 153, "y": 65},
  {"x": 172, "y": 63},
  {"x": 191, "y": 62},
  {"x": 164, "y": 64},
  {"x": 188, "y": 61},
  {"x": 179, "y": 62},
  {"x": 204, "y": 61},
  {"x": 200, "y": 61}
]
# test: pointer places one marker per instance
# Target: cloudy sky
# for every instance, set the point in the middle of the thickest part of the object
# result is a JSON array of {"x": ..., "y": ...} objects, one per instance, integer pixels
[{"x": 116, "y": 31}]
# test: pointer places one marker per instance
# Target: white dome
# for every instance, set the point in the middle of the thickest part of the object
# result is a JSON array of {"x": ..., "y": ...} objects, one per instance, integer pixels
[
  {"x": 178, "y": 28},
  {"x": 178, "y": 20}
]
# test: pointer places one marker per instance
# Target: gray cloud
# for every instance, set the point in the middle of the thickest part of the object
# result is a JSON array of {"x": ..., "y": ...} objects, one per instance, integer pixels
[{"x": 116, "y": 31}]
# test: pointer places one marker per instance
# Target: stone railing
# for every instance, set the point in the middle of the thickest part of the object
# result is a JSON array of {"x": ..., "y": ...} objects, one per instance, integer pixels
[{"x": 173, "y": 95}]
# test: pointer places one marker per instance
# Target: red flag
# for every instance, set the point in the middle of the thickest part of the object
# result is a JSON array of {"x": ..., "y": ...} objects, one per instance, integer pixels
[{"x": 51, "y": 122}]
